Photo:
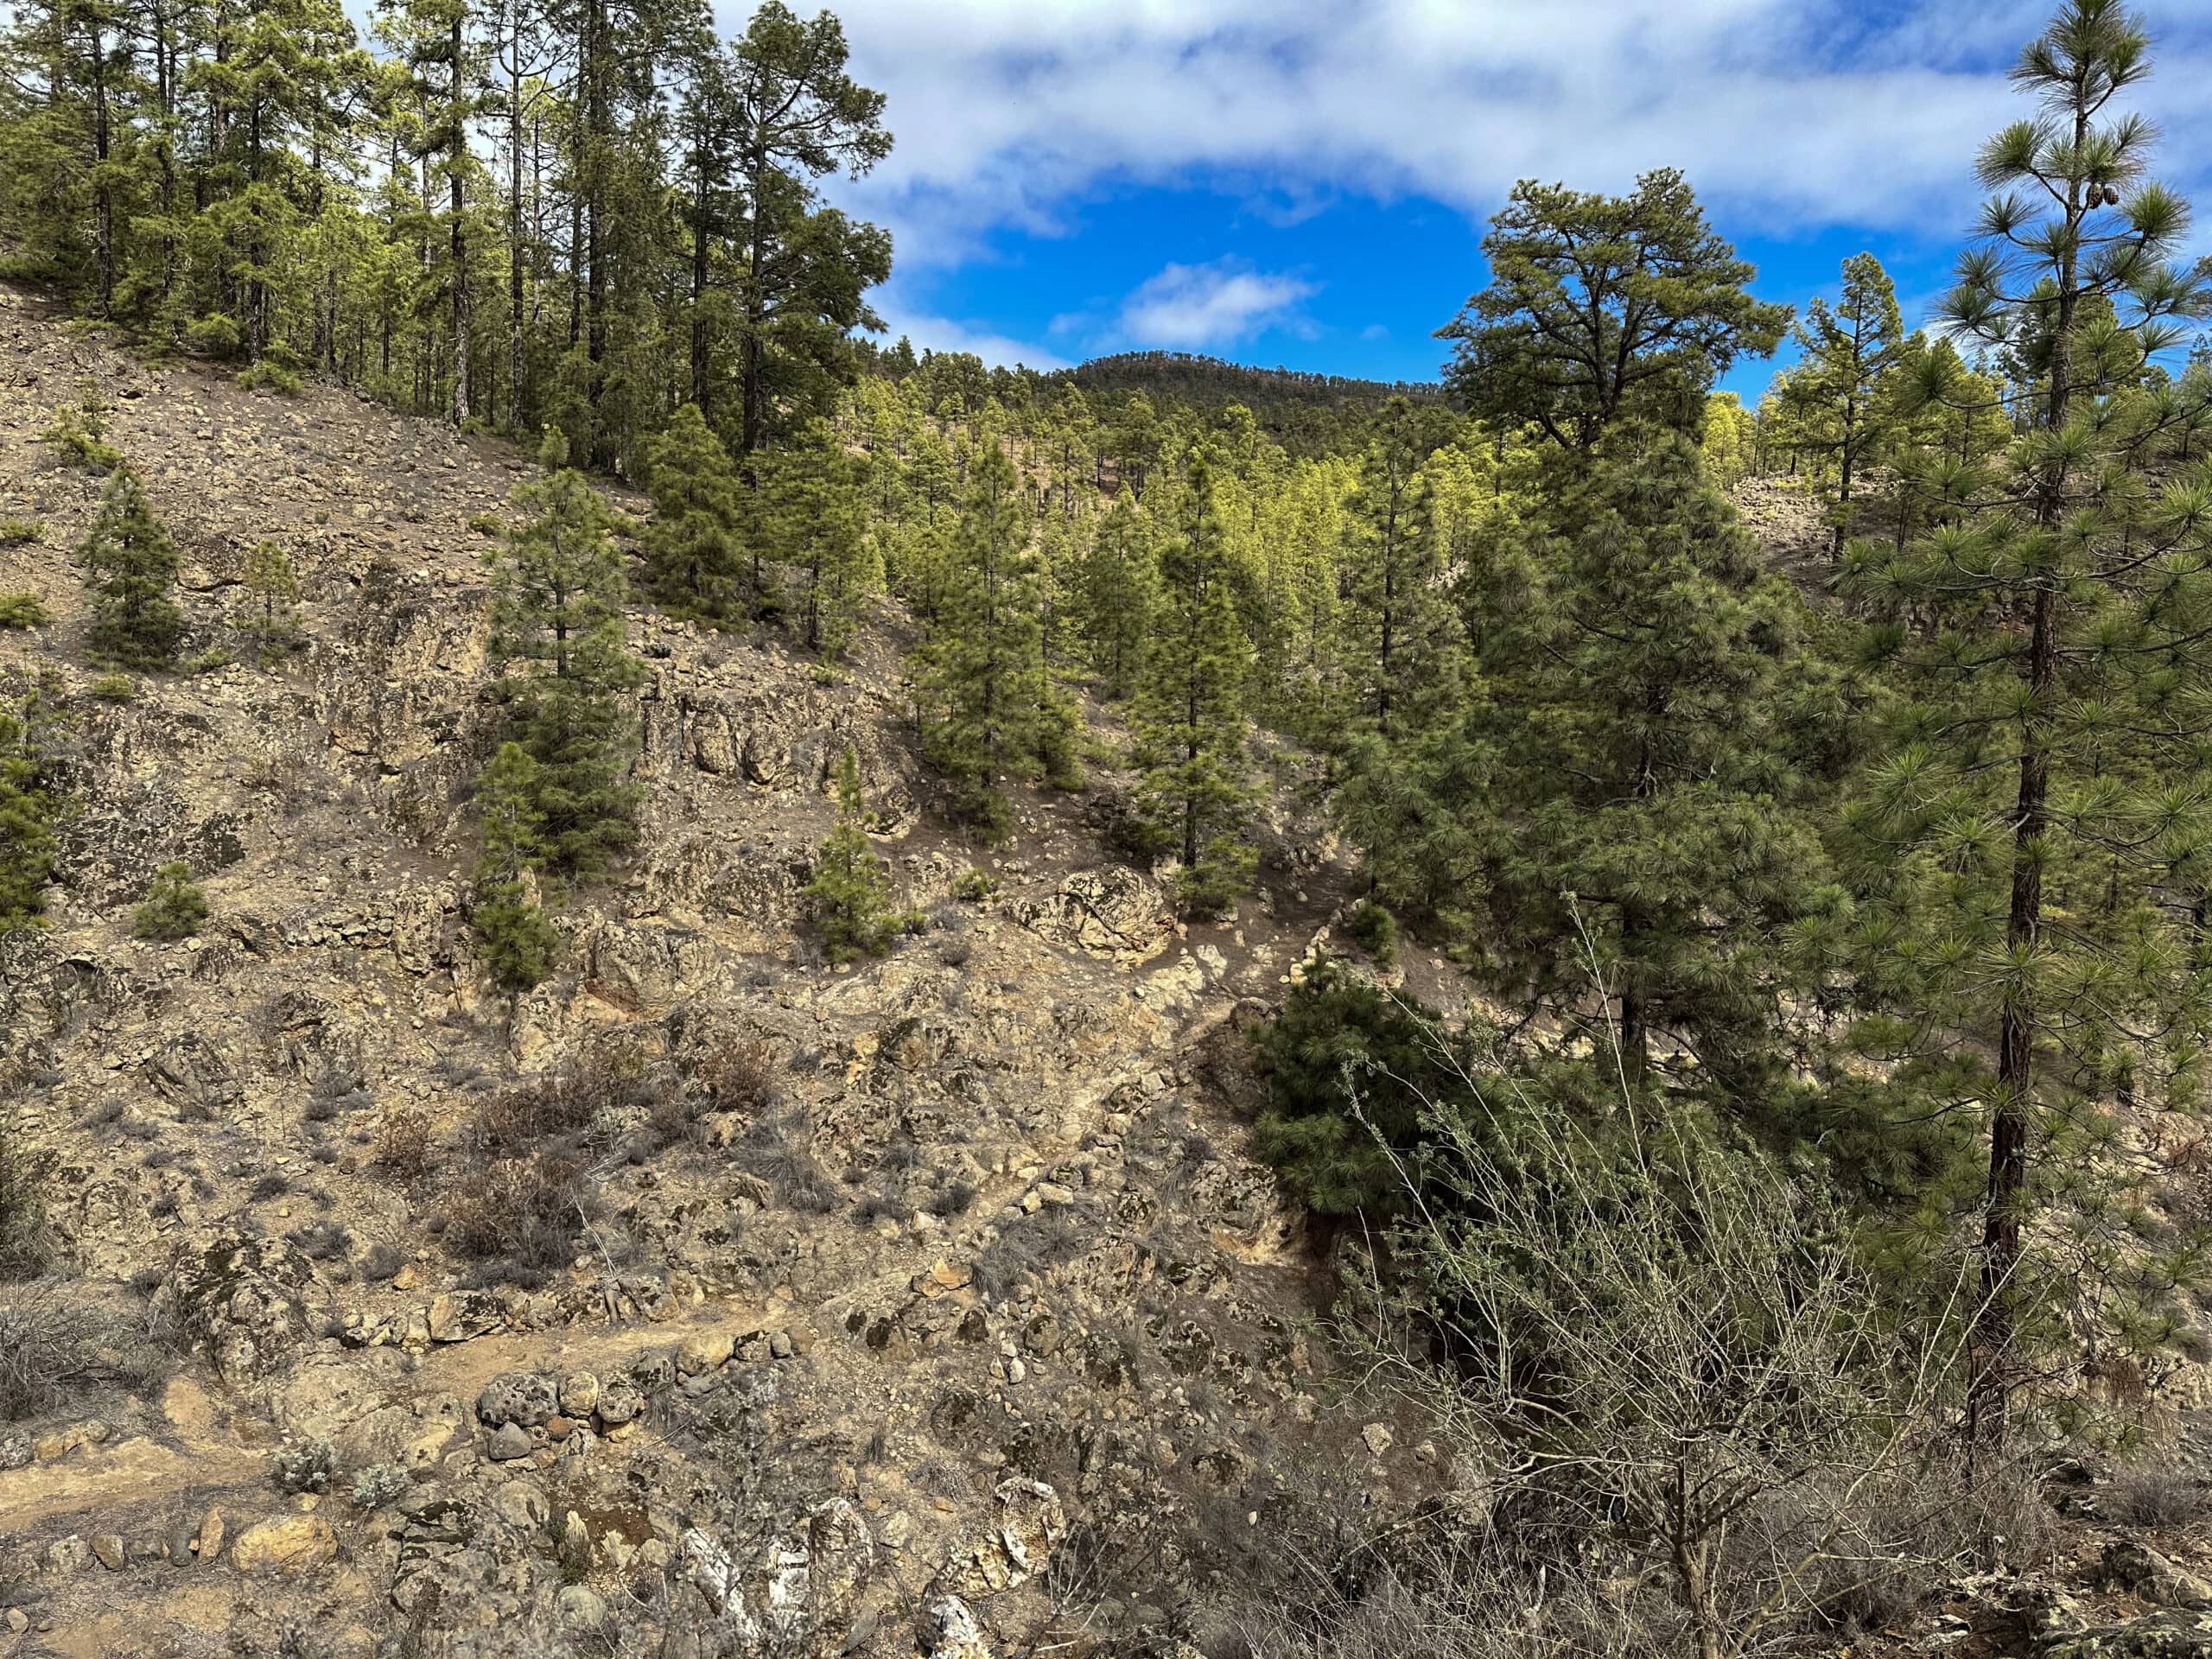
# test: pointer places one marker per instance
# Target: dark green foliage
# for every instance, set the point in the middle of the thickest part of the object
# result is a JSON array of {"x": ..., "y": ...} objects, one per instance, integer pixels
[
  {"x": 1399, "y": 650},
  {"x": 513, "y": 934},
  {"x": 130, "y": 564},
  {"x": 114, "y": 688},
  {"x": 1375, "y": 930},
  {"x": 1342, "y": 1039},
  {"x": 23, "y": 611},
  {"x": 850, "y": 894},
  {"x": 695, "y": 560},
  {"x": 1603, "y": 306},
  {"x": 174, "y": 906},
  {"x": 1117, "y": 596},
  {"x": 1188, "y": 721},
  {"x": 815, "y": 517},
  {"x": 985, "y": 687},
  {"x": 16, "y": 532},
  {"x": 28, "y": 846},
  {"x": 557, "y": 593}
]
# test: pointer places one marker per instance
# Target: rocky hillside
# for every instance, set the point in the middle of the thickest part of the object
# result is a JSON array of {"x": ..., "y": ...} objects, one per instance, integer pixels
[
  {"x": 708, "y": 1301},
  {"x": 934, "y": 1300}
]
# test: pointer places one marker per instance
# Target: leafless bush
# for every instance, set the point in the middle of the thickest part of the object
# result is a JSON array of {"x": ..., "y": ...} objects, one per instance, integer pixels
[
  {"x": 403, "y": 1143},
  {"x": 736, "y": 1075},
  {"x": 1661, "y": 1339},
  {"x": 517, "y": 1219},
  {"x": 53, "y": 1344},
  {"x": 2154, "y": 1495}
]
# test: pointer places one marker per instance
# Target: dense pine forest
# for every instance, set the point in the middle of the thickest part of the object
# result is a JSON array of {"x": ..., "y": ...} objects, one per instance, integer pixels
[{"x": 1842, "y": 925}]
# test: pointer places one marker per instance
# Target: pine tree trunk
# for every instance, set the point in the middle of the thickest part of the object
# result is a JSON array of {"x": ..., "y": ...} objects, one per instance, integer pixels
[{"x": 458, "y": 143}]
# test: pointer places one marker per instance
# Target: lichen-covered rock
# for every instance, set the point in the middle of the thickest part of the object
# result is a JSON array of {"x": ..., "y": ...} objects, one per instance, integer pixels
[
  {"x": 246, "y": 1302},
  {"x": 1029, "y": 1525},
  {"x": 2162, "y": 1636}
]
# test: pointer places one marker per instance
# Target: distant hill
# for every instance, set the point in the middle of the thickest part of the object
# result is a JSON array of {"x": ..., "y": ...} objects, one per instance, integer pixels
[
  {"x": 1304, "y": 413},
  {"x": 1212, "y": 382}
]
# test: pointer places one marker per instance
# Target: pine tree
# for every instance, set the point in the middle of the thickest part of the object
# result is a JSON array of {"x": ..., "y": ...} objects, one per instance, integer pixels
[
  {"x": 984, "y": 676},
  {"x": 28, "y": 845},
  {"x": 175, "y": 906},
  {"x": 850, "y": 894},
  {"x": 1188, "y": 722},
  {"x": 268, "y": 613},
  {"x": 1397, "y": 624},
  {"x": 1850, "y": 352},
  {"x": 696, "y": 561},
  {"x": 130, "y": 564},
  {"x": 557, "y": 592},
  {"x": 2032, "y": 840},
  {"x": 1638, "y": 780},
  {"x": 817, "y": 514},
  {"x": 1600, "y": 307},
  {"x": 1117, "y": 594},
  {"x": 513, "y": 936}
]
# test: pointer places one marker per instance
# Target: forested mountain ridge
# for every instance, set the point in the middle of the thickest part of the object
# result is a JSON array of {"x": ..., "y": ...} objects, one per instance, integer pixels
[{"x": 676, "y": 984}]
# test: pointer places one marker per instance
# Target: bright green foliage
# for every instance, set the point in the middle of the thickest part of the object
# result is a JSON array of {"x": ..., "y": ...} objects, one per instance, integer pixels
[
  {"x": 557, "y": 592},
  {"x": 267, "y": 612},
  {"x": 1117, "y": 594},
  {"x": 79, "y": 433},
  {"x": 850, "y": 894},
  {"x": 130, "y": 564},
  {"x": 2032, "y": 850},
  {"x": 1375, "y": 930},
  {"x": 1836, "y": 391},
  {"x": 1726, "y": 442},
  {"x": 696, "y": 561},
  {"x": 1604, "y": 306},
  {"x": 1188, "y": 722},
  {"x": 513, "y": 934},
  {"x": 15, "y": 532},
  {"x": 23, "y": 611},
  {"x": 984, "y": 683},
  {"x": 174, "y": 906},
  {"x": 28, "y": 846}
]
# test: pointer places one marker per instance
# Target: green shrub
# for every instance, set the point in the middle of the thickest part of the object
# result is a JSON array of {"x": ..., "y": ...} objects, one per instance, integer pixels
[
  {"x": 271, "y": 376},
  {"x": 115, "y": 688},
  {"x": 488, "y": 523},
  {"x": 1337, "y": 1038},
  {"x": 516, "y": 940},
  {"x": 1375, "y": 930},
  {"x": 975, "y": 886},
  {"x": 23, "y": 611},
  {"x": 175, "y": 906},
  {"x": 214, "y": 658},
  {"x": 16, "y": 532},
  {"x": 79, "y": 435},
  {"x": 214, "y": 335},
  {"x": 850, "y": 894}
]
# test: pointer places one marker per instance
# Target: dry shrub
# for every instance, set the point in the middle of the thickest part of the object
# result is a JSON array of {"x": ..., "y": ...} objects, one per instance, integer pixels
[
  {"x": 594, "y": 1095},
  {"x": 26, "y": 1239},
  {"x": 2154, "y": 1495},
  {"x": 403, "y": 1143},
  {"x": 52, "y": 1346},
  {"x": 736, "y": 1075},
  {"x": 518, "y": 1219}
]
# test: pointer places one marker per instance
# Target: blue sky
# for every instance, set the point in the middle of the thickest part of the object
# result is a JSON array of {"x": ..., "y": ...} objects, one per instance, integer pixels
[{"x": 1306, "y": 181}]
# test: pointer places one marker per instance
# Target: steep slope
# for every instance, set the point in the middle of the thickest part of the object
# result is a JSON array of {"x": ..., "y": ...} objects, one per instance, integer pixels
[{"x": 936, "y": 1296}]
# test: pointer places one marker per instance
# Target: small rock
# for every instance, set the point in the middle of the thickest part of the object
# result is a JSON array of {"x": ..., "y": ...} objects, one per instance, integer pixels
[
  {"x": 68, "y": 1555},
  {"x": 779, "y": 1345},
  {"x": 1378, "y": 1438},
  {"x": 18, "y": 1620},
  {"x": 211, "y": 1536},
  {"x": 579, "y": 1608},
  {"x": 509, "y": 1442},
  {"x": 704, "y": 1352},
  {"x": 290, "y": 1543},
  {"x": 559, "y": 1428},
  {"x": 108, "y": 1548},
  {"x": 579, "y": 1394}
]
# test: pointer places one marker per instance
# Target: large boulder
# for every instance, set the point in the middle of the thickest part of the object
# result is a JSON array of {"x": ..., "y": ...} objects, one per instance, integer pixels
[
  {"x": 245, "y": 1302},
  {"x": 1116, "y": 913}
]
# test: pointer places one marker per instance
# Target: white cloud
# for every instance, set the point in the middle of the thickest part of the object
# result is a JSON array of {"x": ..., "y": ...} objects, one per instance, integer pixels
[
  {"x": 1797, "y": 113},
  {"x": 1187, "y": 307}
]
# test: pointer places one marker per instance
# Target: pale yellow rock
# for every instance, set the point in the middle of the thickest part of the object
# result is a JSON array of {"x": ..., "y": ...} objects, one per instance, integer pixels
[{"x": 291, "y": 1543}]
